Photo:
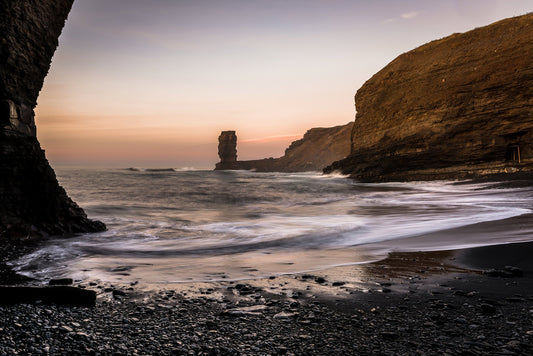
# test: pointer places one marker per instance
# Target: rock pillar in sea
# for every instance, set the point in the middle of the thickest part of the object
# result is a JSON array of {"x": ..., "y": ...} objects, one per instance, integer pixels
[
  {"x": 32, "y": 203},
  {"x": 227, "y": 151}
]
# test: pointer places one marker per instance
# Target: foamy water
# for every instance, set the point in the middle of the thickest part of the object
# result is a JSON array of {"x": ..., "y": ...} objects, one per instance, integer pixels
[{"x": 172, "y": 225}]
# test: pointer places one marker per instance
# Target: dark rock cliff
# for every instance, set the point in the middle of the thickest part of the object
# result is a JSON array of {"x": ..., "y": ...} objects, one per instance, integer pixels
[
  {"x": 458, "y": 107},
  {"x": 32, "y": 202},
  {"x": 318, "y": 148}
]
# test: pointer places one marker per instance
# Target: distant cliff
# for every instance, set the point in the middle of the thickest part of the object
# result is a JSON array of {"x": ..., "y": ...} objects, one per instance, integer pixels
[
  {"x": 458, "y": 107},
  {"x": 318, "y": 148},
  {"x": 32, "y": 202}
]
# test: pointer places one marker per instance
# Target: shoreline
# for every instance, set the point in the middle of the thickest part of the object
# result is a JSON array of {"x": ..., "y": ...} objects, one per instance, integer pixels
[{"x": 410, "y": 302}]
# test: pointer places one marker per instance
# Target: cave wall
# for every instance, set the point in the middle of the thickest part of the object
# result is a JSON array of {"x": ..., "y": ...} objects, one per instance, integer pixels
[
  {"x": 32, "y": 202},
  {"x": 29, "y": 31},
  {"x": 454, "y": 108}
]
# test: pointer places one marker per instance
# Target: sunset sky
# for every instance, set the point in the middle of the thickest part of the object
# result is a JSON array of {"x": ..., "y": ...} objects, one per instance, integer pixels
[{"x": 152, "y": 83}]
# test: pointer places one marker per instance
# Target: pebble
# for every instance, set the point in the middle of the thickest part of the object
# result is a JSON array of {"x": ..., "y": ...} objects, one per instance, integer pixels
[
  {"x": 488, "y": 309},
  {"x": 65, "y": 328},
  {"x": 358, "y": 324},
  {"x": 284, "y": 315}
]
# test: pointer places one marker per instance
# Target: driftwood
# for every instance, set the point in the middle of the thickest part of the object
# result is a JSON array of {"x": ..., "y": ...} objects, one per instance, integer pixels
[{"x": 63, "y": 295}]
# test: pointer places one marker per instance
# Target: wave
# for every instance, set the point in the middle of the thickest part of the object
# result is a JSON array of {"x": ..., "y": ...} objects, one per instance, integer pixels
[
  {"x": 160, "y": 170},
  {"x": 191, "y": 221},
  {"x": 136, "y": 169},
  {"x": 181, "y": 169}
]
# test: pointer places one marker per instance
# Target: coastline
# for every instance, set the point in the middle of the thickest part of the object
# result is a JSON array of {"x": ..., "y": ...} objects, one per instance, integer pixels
[{"x": 410, "y": 302}]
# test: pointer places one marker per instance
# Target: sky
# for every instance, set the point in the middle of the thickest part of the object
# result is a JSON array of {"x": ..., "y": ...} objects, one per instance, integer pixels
[{"x": 151, "y": 83}]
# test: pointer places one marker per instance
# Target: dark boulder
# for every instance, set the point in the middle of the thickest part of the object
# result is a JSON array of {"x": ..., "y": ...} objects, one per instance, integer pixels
[
  {"x": 62, "y": 295},
  {"x": 60, "y": 282}
]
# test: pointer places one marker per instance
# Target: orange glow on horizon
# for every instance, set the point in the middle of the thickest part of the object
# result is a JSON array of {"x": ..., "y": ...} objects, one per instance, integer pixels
[{"x": 292, "y": 137}]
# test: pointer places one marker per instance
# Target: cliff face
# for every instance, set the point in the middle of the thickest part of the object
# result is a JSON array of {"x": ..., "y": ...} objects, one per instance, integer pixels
[
  {"x": 457, "y": 107},
  {"x": 32, "y": 202},
  {"x": 318, "y": 148}
]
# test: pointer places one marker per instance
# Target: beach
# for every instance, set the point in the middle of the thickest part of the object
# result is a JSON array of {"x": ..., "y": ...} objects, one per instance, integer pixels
[
  {"x": 407, "y": 231},
  {"x": 274, "y": 265},
  {"x": 410, "y": 303}
]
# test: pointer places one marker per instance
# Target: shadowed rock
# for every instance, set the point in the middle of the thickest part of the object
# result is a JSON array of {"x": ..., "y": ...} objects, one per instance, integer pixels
[
  {"x": 62, "y": 295},
  {"x": 33, "y": 203},
  {"x": 60, "y": 282}
]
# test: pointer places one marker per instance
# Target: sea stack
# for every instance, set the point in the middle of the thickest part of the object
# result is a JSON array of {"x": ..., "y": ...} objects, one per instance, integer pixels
[
  {"x": 458, "y": 107},
  {"x": 32, "y": 202},
  {"x": 319, "y": 147},
  {"x": 227, "y": 151}
]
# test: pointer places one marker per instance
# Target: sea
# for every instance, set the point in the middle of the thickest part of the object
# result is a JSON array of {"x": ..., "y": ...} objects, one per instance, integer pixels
[{"x": 185, "y": 225}]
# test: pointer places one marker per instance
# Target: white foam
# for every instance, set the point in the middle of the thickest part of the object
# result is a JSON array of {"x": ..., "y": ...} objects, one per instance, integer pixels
[{"x": 189, "y": 223}]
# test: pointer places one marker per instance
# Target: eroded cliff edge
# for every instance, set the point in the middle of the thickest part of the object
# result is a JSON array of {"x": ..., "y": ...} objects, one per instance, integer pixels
[
  {"x": 318, "y": 148},
  {"x": 32, "y": 202},
  {"x": 458, "y": 107}
]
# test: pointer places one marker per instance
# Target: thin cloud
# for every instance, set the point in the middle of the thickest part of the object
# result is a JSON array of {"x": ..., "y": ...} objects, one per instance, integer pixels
[
  {"x": 405, "y": 16},
  {"x": 409, "y": 15},
  {"x": 272, "y": 138}
]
